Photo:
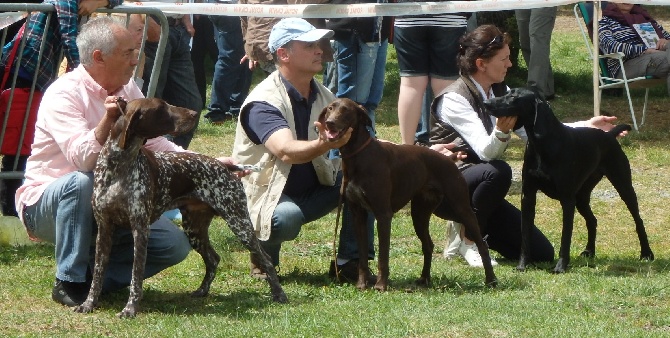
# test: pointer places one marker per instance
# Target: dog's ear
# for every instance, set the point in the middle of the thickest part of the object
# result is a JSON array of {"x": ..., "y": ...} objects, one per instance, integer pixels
[
  {"x": 128, "y": 120},
  {"x": 363, "y": 116},
  {"x": 322, "y": 116}
]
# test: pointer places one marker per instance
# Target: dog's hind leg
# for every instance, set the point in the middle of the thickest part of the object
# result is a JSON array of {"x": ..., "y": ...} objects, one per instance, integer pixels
[
  {"x": 196, "y": 226},
  {"x": 621, "y": 179},
  {"x": 234, "y": 212},
  {"x": 421, "y": 210}
]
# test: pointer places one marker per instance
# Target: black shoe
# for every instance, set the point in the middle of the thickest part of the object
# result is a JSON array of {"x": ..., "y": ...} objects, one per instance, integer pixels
[
  {"x": 348, "y": 272},
  {"x": 69, "y": 293},
  {"x": 218, "y": 118}
]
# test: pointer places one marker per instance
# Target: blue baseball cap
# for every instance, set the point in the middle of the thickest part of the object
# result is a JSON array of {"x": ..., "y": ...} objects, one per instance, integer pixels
[{"x": 289, "y": 29}]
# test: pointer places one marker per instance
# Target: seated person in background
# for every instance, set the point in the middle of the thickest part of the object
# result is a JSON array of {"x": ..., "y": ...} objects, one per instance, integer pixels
[
  {"x": 616, "y": 33},
  {"x": 54, "y": 202},
  {"x": 297, "y": 182}
]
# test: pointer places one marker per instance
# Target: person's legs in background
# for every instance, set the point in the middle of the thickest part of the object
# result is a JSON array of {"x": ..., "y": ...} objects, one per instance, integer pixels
[
  {"x": 176, "y": 81},
  {"x": 422, "y": 135},
  {"x": 202, "y": 46},
  {"x": 8, "y": 187},
  {"x": 535, "y": 29},
  {"x": 232, "y": 79},
  {"x": 360, "y": 71}
]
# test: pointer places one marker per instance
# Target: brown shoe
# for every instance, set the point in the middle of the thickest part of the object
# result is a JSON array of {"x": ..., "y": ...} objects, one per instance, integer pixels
[{"x": 256, "y": 270}]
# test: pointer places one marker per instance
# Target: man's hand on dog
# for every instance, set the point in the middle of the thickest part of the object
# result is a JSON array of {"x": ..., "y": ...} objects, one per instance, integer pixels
[
  {"x": 604, "y": 123},
  {"x": 113, "y": 111},
  {"x": 230, "y": 163}
]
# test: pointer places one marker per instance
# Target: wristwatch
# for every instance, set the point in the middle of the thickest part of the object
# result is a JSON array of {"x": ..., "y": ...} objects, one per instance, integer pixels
[{"x": 501, "y": 135}]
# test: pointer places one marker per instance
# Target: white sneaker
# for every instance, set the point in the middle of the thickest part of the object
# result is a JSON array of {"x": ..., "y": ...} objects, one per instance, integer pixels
[
  {"x": 471, "y": 255},
  {"x": 453, "y": 240}
]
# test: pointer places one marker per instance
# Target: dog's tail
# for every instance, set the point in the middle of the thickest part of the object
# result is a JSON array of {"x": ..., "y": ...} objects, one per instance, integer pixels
[{"x": 618, "y": 129}]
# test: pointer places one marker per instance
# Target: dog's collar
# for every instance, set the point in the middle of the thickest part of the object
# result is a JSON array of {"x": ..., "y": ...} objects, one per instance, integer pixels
[{"x": 365, "y": 144}]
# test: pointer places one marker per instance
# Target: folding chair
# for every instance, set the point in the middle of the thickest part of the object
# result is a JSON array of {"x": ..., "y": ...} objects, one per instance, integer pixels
[{"x": 584, "y": 20}]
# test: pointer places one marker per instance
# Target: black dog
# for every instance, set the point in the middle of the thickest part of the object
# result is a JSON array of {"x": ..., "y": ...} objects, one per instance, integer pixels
[
  {"x": 566, "y": 164},
  {"x": 134, "y": 186}
]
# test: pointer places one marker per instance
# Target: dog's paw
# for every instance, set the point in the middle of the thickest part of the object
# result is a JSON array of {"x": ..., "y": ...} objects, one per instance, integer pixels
[
  {"x": 199, "y": 293},
  {"x": 86, "y": 307},
  {"x": 130, "y": 311},
  {"x": 587, "y": 254},
  {"x": 280, "y": 298},
  {"x": 647, "y": 256},
  {"x": 423, "y": 282}
]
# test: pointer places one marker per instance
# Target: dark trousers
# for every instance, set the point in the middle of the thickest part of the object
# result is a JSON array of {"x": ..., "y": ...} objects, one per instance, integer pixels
[
  {"x": 203, "y": 45},
  {"x": 8, "y": 187},
  {"x": 489, "y": 183}
]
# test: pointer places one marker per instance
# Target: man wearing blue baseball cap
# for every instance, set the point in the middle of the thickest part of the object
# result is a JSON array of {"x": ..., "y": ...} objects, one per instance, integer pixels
[{"x": 297, "y": 182}]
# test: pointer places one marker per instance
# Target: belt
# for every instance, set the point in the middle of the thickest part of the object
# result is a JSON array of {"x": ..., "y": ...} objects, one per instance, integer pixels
[{"x": 174, "y": 21}]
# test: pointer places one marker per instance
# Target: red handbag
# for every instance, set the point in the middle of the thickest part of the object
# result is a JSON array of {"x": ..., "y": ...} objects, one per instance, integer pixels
[{"x": 14, "y": 103}]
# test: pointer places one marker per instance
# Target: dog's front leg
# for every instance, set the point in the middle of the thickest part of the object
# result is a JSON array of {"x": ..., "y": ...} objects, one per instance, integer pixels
[
  {"x": 568, "y": 206},
  {"x": 528, "y": 202},
  {"x": 140, "y": 229},
  {"x": 384, "y": 238},
  {"x": 103, "y": 247},
  {"x": 359, "y": 216}
]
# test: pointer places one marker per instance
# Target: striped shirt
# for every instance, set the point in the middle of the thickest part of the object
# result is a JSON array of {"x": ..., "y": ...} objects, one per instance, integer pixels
[
  {"x": 616, "y": 37},
  {"x": 59, "y": 41},
  {"x": 453, "y": 20}
]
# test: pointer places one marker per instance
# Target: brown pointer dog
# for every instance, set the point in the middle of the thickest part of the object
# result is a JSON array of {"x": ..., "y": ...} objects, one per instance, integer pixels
[
  {"x": 382, "y": 177},
  {"x": 566, "y": 164},
  {"x": 134, "y": 186}
]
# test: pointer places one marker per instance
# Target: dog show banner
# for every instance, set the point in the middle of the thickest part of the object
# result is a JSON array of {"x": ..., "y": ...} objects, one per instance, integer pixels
[{"x": 358, "y": 10}]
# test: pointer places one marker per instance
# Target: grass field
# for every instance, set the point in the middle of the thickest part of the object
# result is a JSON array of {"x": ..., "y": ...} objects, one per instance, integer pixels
[{"x": 613, "y": 295}]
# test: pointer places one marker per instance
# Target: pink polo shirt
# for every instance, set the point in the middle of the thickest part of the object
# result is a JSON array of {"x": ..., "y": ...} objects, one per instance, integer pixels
[{"x": 64, "y": 142}]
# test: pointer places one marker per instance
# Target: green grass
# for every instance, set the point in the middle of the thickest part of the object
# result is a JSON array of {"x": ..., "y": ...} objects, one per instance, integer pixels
[{"x": 614, "y": 294}]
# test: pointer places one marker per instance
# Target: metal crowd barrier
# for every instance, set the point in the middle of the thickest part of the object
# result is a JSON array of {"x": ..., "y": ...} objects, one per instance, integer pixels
[{"x": 10, "y": 10}]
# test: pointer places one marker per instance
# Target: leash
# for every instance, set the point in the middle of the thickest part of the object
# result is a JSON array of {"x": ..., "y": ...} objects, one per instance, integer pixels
[{"x": 340, "y": 202}]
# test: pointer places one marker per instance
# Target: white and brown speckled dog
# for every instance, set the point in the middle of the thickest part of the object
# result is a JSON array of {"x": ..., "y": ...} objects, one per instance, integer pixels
[{"x": 134, "y": 186}]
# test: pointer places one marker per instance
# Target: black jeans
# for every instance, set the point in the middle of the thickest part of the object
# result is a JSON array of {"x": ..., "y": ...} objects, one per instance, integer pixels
[{"x": 489, "y": 183}]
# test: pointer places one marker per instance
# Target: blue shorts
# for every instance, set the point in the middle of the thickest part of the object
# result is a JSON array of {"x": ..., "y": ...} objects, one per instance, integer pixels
[{"x": 428, "y": 51}]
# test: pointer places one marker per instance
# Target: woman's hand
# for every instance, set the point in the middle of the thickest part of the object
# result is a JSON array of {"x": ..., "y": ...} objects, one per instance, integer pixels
[
  {"x": 505, "y": 123},
  {"x": 603, "y": 123},
  {"x": 445, "y": 149}
]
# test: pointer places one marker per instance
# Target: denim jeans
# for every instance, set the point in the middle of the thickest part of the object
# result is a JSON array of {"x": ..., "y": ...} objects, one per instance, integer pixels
[
  {"x": 64, "y": 216},
  {"x": 360, "y": 71},
  {"x": 176, "y": 81},
  {"x": 292, "y": 213},
  {"x": 423, "y": 129},
  {"x": 232, "y": 80}
]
